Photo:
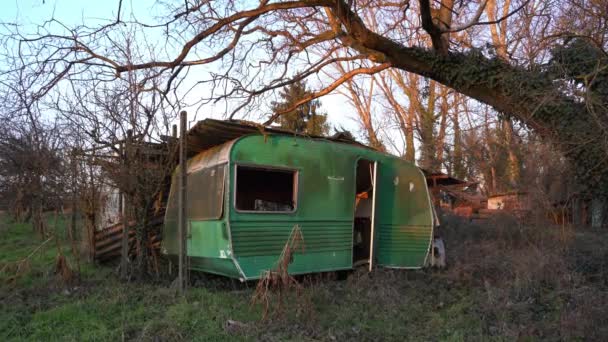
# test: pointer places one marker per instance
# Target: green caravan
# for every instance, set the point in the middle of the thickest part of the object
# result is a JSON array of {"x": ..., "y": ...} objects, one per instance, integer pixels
[{"x": 247, "y": 188}]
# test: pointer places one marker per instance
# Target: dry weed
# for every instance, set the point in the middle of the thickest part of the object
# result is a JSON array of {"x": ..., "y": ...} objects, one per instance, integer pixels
[
  {"x": 63, "y": 270},
  {"x": 280, "y": 283}
]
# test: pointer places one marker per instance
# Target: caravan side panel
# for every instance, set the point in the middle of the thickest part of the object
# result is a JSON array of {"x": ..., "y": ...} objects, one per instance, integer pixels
[
  {"x": 208, "y": 240},
  {"x": 324, "y": 208}
]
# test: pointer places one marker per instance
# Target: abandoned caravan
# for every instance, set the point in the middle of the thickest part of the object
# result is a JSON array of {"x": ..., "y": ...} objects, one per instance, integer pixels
[{"x": 247, "y": 188}]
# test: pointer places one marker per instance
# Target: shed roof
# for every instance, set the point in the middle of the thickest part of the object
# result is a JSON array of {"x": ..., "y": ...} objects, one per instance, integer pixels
[
  {"x": 441, "y": 178},
  {"x": 509, "y": 193},
  {"x": 210, "y": 132}
]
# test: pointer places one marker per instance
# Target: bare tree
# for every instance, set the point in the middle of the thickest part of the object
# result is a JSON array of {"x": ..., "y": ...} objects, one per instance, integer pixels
[
  {"x": 32, "y": 165},
  {"x": 125, "y": 124},
  {"x": 257, "y": 48},
  {"x": 361, "y": 95}
]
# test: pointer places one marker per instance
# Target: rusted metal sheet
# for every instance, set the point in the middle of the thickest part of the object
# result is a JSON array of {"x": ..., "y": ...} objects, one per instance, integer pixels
[
  {"x": 209, "y": 133},
  {"x": 107, "y": 241},
  {"x": 214, "y": 156},
  {"x": 510, "y": 201}
]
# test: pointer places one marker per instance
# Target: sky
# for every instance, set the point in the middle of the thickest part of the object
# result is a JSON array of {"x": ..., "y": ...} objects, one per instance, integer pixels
[
  {"x": 30, "y": 13},
  {"x": 71, "y": 11}
]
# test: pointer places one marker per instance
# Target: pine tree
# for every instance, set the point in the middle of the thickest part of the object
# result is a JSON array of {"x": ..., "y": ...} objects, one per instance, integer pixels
[{"x": 307, "y": 118}]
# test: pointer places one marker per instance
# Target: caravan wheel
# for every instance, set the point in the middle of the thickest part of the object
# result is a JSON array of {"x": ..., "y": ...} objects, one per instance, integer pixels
[{"x": 437, "y": 255}]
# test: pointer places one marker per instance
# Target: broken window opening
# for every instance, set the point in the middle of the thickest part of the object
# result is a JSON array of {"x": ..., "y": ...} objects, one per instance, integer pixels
[{"x": 265, "y": 189}]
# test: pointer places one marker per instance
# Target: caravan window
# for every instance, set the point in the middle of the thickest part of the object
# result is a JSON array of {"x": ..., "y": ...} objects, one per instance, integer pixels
[
  {"x": 205, "y": 192},
  {"x": 265, "y": 189}
]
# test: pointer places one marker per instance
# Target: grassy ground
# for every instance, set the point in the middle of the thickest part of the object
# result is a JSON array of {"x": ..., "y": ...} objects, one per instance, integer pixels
[{"x": 504, "y": 282}]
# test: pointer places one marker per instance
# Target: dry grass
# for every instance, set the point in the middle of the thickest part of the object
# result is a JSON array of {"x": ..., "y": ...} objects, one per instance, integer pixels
[
  {"x": 504, "y": 281},
  {"x": 527, "y": 275}
]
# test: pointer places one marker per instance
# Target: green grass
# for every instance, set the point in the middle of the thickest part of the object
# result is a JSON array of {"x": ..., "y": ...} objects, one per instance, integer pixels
[{"x": 490, "y": 293}]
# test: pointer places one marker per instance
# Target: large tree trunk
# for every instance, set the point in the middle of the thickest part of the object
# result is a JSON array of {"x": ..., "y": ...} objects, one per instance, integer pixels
[
  {"x": 498, "y": 32},
  {"x": 513, "y": 166},
  {"x": 532, "y": 96},
  {"x": 427, "y": 132},
  {"x": 440, "y": 139}
]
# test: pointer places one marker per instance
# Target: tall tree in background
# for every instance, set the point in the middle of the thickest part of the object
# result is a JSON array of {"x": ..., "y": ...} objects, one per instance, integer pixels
[
  {"x": 584, "y": 66},
  {"x": 306, "y": 118},
  {"x": 499, "y": 35},
  {"x": 458, "y": 166}
]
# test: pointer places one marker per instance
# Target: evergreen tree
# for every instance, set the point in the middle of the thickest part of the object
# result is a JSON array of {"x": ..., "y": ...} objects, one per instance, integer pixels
[{"x": 307, "y": 118}]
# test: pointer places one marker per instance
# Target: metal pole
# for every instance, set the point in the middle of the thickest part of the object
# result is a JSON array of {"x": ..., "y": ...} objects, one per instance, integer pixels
[{"x": 181, "y": 228}]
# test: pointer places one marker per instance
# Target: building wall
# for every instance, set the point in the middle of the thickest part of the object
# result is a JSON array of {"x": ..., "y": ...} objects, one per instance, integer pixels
[
  {"x": 515, "y": 201},
  {"x": 109, "y": 209}
]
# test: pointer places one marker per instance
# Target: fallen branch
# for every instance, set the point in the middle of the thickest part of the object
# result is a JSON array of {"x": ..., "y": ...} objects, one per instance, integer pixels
[{"x": 22, "y": 266}]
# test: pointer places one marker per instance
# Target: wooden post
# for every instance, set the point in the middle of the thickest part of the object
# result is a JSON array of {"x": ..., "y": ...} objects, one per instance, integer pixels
[
  {"x": 182, "y": 205},
  {"x": 124, "y": 254},
  {"x": 174, "y": 143},
  {"x": 93, "y": 221},
  {"x": 72, "y": 231},
  {"x": 121, "y": 194}
]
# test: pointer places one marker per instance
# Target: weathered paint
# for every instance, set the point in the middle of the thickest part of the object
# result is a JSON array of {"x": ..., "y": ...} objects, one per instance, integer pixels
[
  {"x": 244, "y": 244},
  {"x": 208, "y": 241}
]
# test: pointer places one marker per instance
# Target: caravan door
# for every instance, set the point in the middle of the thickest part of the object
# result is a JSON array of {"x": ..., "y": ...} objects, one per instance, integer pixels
[{"x": 403, "y": 216}]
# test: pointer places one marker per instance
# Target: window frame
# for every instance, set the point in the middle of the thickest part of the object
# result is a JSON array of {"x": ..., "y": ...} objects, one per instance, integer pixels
[
  {"x": 222, "y": 197},
  {"x": 296, "y": 186}
]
